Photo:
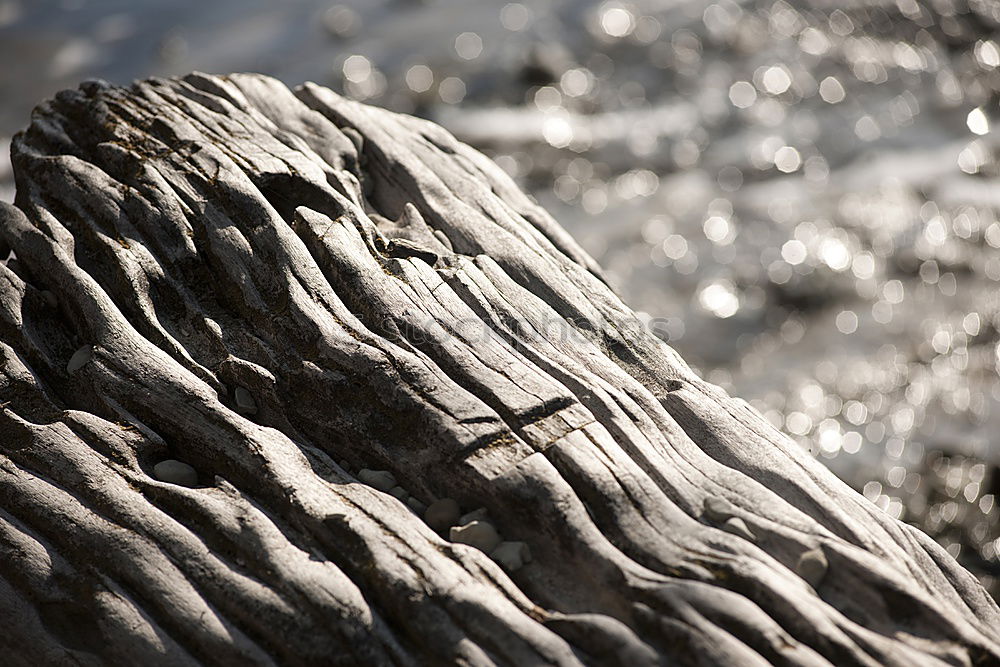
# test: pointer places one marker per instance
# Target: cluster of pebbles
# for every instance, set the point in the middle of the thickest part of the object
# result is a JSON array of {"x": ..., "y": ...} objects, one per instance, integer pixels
[
  {"x": 445, "y": 516},
  {"x": 474, "y": 529}
]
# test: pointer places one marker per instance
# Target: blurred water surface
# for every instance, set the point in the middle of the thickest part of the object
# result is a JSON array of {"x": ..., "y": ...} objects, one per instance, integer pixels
[{"x": 801, "y": 197}]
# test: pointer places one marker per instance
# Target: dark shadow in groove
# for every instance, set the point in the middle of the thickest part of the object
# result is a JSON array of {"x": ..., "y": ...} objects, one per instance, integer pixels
[{"x": 286, "y": 192}]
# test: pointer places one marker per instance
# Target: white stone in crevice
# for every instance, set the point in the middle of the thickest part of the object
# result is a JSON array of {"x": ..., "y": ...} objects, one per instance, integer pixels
[
  {"x": 80, "y": 358},
  {"x": 479, "y": 534},
  {"x": 383, "y": 480},
  {"x": 176, "y": 472}
]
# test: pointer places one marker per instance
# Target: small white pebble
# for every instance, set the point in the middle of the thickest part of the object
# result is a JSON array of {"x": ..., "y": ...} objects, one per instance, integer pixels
[
  {"x": 80, "y": 358},
  {"x": 479, "y": 534},
  {"x": 738, "y": 527},
  {"x": 511, "y": 555},
  {"x": 812, "y": 566},
  {"x": 442, "y": 514},
  {"x": 245, "y": 402},
  {"x": 383, "y": 480},
  {"x": 176, "y": 472}
]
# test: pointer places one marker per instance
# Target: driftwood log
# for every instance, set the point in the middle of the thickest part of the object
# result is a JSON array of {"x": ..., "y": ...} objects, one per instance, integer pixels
[{"x": 260, "y": 349}]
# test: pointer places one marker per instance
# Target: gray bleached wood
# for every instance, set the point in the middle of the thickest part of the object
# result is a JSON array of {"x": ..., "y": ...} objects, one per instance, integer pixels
[{"x": 271, "y": 282}]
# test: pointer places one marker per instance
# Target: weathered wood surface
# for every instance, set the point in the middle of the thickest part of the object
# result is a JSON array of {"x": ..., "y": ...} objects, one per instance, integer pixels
[{"x": 284, "y": 289}]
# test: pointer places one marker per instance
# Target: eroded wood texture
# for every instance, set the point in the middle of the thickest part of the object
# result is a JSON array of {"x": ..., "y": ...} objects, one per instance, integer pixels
[{"x": 281, "y": 289}]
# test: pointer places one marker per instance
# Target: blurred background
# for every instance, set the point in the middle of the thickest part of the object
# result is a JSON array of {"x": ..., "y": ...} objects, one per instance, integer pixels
[{"x": 801, "y": 197}]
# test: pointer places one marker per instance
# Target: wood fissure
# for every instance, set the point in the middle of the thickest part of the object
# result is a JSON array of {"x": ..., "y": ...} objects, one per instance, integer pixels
[{"x": 341, "y": 324}]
